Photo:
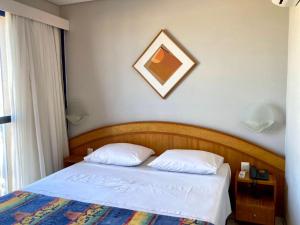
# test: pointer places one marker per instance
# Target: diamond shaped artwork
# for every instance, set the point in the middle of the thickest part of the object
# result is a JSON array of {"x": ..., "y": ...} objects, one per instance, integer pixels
[{"x": 163, "y": 64}]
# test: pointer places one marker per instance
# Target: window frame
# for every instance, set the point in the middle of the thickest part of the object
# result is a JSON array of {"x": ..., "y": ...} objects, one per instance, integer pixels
[{"x": 4, "y": 119}]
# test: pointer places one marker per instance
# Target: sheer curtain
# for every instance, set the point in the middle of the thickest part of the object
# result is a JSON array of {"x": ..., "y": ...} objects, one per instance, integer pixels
[
  {"x": 38, "y": 113},
  {"x": 5, "y": 129}
]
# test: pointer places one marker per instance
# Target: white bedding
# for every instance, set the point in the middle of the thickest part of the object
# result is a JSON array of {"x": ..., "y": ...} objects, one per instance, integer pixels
[{"x": 203, "y": 197}]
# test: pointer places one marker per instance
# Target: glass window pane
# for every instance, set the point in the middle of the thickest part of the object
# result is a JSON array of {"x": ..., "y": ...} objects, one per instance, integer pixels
[
  {"x": 5, "y": 108},
  {"x": 6, "y": 157}
]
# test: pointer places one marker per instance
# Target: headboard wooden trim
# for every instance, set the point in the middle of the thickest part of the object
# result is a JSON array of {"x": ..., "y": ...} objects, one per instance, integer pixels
[{"x": 178, "y": 129}]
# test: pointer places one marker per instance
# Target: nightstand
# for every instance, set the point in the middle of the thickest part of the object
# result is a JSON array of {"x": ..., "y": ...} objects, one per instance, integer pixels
[
  {"x": 255, "y": 200},
  {"x": 72, "y": 159}
]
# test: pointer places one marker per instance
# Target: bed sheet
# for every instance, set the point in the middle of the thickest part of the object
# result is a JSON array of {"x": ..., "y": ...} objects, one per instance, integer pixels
[{"x": 201, "y": 197}]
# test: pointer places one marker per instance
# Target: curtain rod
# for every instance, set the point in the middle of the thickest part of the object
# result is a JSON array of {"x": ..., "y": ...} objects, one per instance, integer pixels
[{"x": 34, "y": 14}]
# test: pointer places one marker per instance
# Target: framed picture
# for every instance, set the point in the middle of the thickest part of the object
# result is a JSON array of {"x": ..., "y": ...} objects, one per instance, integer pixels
[{"x": 163, "y": 64}]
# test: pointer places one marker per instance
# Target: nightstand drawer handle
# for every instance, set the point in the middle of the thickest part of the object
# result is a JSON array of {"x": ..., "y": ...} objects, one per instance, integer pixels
[{"x": 254, "y": 215}]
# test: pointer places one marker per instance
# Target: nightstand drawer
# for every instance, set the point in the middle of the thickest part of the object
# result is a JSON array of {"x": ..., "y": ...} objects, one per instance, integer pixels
[{"x": 254, "y": 214}]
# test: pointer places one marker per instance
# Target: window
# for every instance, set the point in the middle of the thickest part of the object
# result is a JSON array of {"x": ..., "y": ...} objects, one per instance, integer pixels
[{"x": 5, "y": 116}]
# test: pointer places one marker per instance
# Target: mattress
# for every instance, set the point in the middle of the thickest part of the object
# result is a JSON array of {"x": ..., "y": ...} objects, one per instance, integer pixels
[{"x": 201, "y": 197}]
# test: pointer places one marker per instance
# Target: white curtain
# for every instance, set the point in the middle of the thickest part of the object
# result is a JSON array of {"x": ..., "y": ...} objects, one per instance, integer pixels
[
  {"x": 38, "y": 114},
  {"x": 5, "y": 129}
]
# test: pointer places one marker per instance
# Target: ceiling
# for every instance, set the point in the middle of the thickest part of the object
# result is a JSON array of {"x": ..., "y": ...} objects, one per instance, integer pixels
[{"x": 67, "y": 2}]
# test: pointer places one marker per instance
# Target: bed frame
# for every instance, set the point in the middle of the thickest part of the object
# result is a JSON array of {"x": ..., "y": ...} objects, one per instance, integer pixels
[{"x": 161, "y": 136}]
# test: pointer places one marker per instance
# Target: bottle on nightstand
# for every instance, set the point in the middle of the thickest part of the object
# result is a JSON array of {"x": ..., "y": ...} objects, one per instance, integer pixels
[{"x": 90, "y": 150}]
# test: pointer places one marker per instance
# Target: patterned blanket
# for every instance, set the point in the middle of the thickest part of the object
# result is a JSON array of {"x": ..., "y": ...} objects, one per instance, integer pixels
[{"x": 28, "y": 208}]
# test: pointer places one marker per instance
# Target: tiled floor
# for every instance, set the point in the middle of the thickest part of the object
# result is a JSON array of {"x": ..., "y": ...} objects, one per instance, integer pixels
[{"x": 231, "y": 221}]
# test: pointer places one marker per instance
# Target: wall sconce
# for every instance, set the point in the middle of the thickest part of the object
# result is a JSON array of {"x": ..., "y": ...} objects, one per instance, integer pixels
[
  {"x": 75, "y": 119},
  {"x": 76, "y": 113},
  {"x": 259, "y": 117}
]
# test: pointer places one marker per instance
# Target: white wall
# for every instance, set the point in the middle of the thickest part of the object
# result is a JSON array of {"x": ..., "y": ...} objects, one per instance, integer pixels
[
  {"x": 241, "y": 46},
  {"x": 43, "y": 5},
  {"x": 293, "y": 121}
]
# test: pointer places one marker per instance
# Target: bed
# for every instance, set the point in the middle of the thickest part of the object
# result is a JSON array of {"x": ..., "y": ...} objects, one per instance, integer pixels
[
  {"x": 145, "y": 195},
  {"x": 141, "y": 188}
]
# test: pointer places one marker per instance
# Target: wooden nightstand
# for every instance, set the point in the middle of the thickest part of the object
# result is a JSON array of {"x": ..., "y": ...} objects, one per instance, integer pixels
[
  {"x": 255, "y": 200},
  {"x": 72, "y": 159}
]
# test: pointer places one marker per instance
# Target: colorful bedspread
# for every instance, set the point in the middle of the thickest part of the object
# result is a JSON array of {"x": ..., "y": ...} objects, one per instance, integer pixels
[{"x": 28, "y": 208}]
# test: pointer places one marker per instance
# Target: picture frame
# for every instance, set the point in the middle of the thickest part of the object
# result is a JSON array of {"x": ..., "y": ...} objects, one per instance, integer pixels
[{"x": 164, "y": 64}]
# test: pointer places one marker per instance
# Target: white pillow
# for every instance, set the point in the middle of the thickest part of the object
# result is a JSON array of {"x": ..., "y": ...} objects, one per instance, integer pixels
[
  {"x": 188, "y": 161},
  {"x": 121, "y": 154}
]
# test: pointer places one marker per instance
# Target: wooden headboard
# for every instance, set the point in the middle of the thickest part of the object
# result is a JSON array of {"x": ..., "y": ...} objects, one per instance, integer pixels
[{"x": 161, "y": 136}]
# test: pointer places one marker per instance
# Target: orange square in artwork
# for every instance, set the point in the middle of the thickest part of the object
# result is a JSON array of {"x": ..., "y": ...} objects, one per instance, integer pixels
[{"x": 163, "y": 64}]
